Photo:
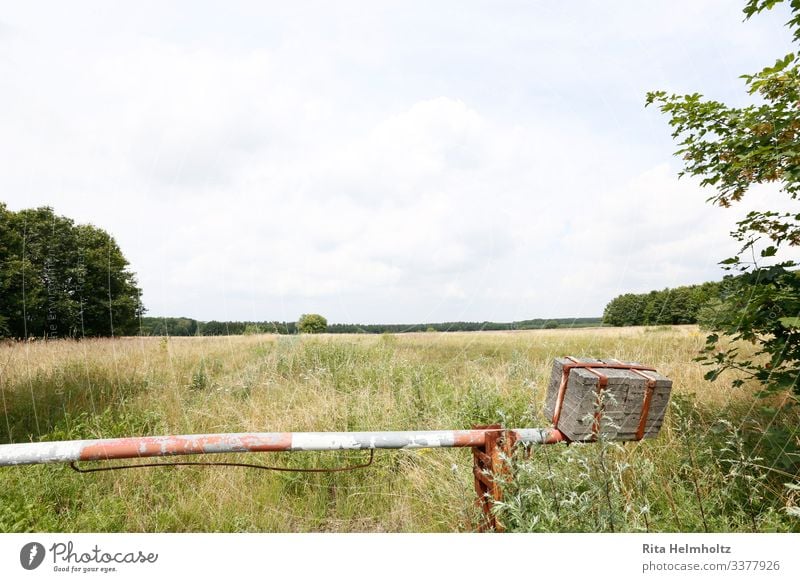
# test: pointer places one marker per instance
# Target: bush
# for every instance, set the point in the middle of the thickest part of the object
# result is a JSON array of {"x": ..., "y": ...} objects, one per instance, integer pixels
[{"x": 312, "y": 323}]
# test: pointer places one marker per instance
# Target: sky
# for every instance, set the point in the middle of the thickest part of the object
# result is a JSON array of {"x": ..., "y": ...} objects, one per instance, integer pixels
[{"x": 377, "y": 162}]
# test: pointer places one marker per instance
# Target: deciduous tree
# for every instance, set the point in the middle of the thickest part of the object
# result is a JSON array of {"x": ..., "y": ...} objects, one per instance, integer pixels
[
  {"x": 312, "y": 323},
  {"x": 59, "y": 279},
  {"x": 732, "y": 149}
]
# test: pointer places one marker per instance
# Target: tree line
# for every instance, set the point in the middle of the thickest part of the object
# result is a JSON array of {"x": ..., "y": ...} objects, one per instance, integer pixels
[
  {"x": 182, "y": 326},
  {"x": 679, "y": 305},
  {"x": 62, "y": 279},
  {"x": 185, "y": 326}
]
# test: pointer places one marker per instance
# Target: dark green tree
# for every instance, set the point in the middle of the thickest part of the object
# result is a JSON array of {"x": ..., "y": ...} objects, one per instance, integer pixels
[
  {"x": 312, "y": 323},
  {"x": 59, "y": 279},
  {"x": 732, "y": 149},
  {"x": 679, "y": 305},
  {"x": 627, "y": 309}
]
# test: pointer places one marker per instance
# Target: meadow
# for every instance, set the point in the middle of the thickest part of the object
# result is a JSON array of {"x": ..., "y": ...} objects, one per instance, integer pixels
[{"x": 724, "y": 461}]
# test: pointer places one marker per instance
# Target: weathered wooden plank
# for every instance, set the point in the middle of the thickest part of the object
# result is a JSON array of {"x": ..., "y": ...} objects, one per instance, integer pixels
[{"x": 581, "y": 411}]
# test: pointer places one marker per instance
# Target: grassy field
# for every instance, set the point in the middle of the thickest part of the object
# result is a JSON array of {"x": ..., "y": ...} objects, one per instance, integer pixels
[{"x": 721, "y": 463}]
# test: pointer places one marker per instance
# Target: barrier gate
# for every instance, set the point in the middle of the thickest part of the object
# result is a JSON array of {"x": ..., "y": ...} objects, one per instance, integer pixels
[{"x": 587, "y": 400}]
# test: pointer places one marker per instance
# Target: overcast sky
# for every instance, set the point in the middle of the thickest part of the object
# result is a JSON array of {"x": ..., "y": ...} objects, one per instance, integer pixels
[{"x": 376, "y": 162}]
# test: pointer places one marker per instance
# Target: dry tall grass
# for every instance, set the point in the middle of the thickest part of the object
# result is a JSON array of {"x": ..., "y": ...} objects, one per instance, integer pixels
[{"x": 138, "y": 386}]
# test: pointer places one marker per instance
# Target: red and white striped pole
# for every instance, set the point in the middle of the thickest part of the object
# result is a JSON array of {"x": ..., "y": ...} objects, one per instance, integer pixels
[{"x": 162, "y": 446}]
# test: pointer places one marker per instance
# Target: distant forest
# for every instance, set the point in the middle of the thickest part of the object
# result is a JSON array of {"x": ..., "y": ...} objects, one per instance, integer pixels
[
  {"x": 183, "y": 326},
  {"x": 687, "y": 304},
  {"x": 679, "y": 305}
]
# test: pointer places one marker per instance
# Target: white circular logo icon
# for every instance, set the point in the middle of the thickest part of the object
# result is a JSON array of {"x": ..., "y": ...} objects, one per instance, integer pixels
[{"x": 31, "y": 555}]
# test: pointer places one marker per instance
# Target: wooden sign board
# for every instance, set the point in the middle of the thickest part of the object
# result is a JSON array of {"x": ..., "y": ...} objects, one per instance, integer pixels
[{"x": 610, "y": 399}]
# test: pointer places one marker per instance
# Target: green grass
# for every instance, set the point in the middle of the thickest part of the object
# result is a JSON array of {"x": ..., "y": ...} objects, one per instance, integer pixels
[{"x": 720, "y": 463}]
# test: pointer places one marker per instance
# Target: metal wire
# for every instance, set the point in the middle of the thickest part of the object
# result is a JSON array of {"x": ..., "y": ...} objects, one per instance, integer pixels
[{"x": 73, "y": 465}]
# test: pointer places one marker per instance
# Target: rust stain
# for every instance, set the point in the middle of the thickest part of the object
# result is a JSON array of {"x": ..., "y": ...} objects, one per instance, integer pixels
[
  {"x": 469, "y": 438},
  {"x": 281, "y": 441},
  {"x": 562, "y": 389},
  {"x": 648, "y": 398},
  {"x": 128, "y": 448},
  {"x": 491, "y": 469},
  {"x": 555, "y": 436}
]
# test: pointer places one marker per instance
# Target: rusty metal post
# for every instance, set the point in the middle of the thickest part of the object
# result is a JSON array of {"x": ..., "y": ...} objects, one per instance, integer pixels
[{"x": 491, "y": 470}]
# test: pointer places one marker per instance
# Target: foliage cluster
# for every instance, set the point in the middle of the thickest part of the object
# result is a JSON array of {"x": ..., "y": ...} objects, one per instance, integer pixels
[
  {"x": 675, "y": 306},
  {"x": 733, "y": 149},
  {"x": 61, "y": 279},
  {"x": 312, "y": 323}
]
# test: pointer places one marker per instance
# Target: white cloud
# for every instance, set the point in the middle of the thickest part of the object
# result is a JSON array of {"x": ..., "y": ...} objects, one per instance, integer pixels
[{"x": 428, "y": 164}]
